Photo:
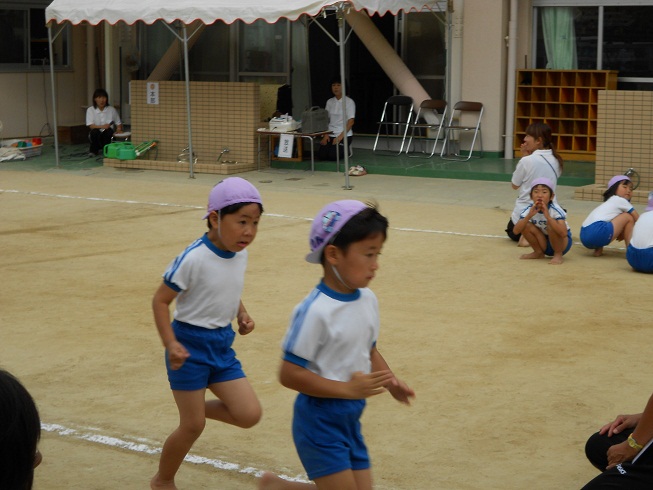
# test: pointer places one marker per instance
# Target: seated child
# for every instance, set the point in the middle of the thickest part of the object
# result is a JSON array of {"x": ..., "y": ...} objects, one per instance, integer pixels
[
  {"x": 639, "y": 253},
  {"x": 614, "y": 219},
  {"x": 543, "y": 224}
]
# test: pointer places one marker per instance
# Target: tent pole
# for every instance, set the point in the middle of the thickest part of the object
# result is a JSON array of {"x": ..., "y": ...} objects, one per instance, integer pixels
[
  {"x": 190, "y": 134},
  {"x": 54, "y": 97},
  {"x": 341, "y": 45}
]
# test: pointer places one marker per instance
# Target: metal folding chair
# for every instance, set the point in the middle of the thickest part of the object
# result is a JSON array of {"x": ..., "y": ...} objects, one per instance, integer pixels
[
  {"x": 465, "y": 118},
  {"x": 395, "y": 119},
  {"x": 431, "y": 116}
]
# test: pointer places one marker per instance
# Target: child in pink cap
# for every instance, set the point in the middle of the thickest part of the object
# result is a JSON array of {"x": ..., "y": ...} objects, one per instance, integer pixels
[
  {"x": 542, "y": 223},
  {"x": 614, "y": 219},
  {"x": 206, "y": 280},
  {"x": 639, "y": 253},
  {"x": 330, "y": 353}
]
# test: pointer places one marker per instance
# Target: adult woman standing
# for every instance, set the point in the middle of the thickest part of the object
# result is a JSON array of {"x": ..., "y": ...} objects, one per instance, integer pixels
[{"x": 539, "y": 160}]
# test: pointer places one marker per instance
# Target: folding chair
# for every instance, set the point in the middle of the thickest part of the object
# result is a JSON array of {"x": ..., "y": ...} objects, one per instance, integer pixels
[
  {"x": 431, "y": 115},
  {"x": 462, "y": 113},
  {"x": 396, "y": 115}
]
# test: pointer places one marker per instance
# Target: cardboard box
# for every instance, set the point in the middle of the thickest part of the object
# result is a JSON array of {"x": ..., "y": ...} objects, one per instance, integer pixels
[{"x": 73, "y": 135}]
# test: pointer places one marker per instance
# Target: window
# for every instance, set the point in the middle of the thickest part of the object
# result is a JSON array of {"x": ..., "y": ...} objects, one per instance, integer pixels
[
  {"x": 607, "y": 36},
  {"x": 24, "y": 40}
]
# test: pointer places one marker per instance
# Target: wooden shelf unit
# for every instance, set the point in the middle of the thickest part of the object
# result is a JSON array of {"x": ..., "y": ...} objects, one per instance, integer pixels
[{"x": 566, "y": 100}]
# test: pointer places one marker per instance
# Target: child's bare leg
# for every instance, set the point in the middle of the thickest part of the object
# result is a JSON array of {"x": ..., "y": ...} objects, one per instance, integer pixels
[
  {"x": 623, "y": 227},
  {"x": 270, "y": 481},
  {"x": 177, "y": 445},
  {"x": 536, "y": 240},
  {"x": 598, "y": 252},
  {"x": 558, "y": 244},
  {"x": 237, "y": 404}
]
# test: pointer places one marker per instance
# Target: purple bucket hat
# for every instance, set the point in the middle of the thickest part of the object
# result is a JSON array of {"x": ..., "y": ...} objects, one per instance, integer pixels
[
  {"x": 618, "y": 178},
  {"x": 231, "y": 190},
  {"x": 328, "y": 222},
  {"x": 543, "y": 181},
  {"x": 649, "y": 207}
]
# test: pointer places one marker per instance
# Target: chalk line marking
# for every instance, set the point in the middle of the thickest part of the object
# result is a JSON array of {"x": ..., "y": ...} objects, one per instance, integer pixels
[
  {"x": 274, "y": 215},
  {"x": 284, "y": 216},
  {"x": 91, "y": 434}
]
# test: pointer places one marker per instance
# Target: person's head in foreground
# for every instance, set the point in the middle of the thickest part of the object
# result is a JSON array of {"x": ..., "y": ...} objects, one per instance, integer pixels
[
  {"x": 542, "y": 192},
  {"x": 233, "y": 213},
  {"x": 619, "y": 185},
  {"x": 20, "y": 431},
  {"x": 346, "y": 237}
]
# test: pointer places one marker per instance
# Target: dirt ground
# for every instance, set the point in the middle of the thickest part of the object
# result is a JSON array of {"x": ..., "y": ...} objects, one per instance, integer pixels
[{"x": 514, "y": 362}]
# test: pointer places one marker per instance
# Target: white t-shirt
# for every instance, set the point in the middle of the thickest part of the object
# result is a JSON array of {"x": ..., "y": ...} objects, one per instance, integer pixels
[
  {"x": 334, "y": 108},
  {"x": 540, "y": 163},
  {"x": 209, "y": 282},
  {"x": 100, "y": 118},
  {"x": 609, "y": 210},
  {"x": 332, "y": 334},
  {"x": 643, "y": 231},
  {"x": 540, "y": 221}
]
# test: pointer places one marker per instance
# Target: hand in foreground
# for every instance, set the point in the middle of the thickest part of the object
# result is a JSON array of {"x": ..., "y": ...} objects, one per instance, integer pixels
[
  {"x": 245, "y": 323},
  {"x": 620, "y": 453},
  {"x": 367, "y": 385},
  {"x": 621, "y": 423},
  {"x": 400, "y": 391},
  {"x": 177, "y": 355}
]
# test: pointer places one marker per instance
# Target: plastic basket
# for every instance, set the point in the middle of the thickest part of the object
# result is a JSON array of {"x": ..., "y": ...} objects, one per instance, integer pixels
[{"x": 28, "y": 151}]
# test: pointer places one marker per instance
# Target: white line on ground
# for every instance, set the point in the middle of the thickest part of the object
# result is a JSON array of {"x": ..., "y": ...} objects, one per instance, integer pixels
[{"x": 92, "y": 435}]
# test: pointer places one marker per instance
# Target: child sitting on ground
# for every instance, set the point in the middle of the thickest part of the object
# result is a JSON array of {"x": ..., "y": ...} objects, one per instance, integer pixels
[
  {"x": 639, "y": 253},
  {"x": 614, "y": 219},
  {"x": 543, "y": 224}
]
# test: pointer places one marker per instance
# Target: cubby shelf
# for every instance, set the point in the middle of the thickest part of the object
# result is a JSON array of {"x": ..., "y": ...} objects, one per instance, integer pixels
[{"x": 567, "y": 101}]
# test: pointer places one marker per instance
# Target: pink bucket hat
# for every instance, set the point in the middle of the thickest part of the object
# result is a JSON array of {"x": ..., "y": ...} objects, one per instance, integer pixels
[
  {"x": 232, "y": 190},
  {"x": 328, "y": 222},
  {"x": 543, "y": 181},
  {"x": 618, "y": 178}
]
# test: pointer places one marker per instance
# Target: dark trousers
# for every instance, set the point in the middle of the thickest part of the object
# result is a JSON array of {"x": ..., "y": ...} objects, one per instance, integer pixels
[
  {"x": 99, "y": 139},
  {"x": 328, "y": 151},
  {"x": 626, "y": 476}
]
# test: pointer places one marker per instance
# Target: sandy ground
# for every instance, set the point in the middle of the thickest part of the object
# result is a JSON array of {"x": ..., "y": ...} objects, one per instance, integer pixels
[{"x": 514, "y": 362}]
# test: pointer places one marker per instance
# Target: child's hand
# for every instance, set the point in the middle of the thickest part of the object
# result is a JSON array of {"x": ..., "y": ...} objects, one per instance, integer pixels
[
  {"x": 366, "y": 385},
  {"x": 245, "y": 323},
  {"x": 400, "y": 391},
  {"x": 177, "y": 355}
]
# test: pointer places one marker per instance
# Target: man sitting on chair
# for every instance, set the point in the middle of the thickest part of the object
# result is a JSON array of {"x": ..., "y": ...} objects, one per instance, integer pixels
[{"x": 334, "y": 139}]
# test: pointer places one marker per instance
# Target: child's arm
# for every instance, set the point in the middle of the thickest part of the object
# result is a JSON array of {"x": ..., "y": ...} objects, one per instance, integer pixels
[
  {"x": 397, "y": 388},
  {"x": 360, "y": 386},
  {"x": 634, "y": 214},
  {"x": 521, "y": 224},
  {"x": 177, "y": 353},
  {"x": 245, "y": 322},
  {"x": 557, "y": 226}
]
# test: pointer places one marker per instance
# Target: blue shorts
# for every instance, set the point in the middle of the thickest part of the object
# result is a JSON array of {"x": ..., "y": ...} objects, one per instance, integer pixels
[
  {"x": 549, "y": 249},
  {"x": 212, "y": 360},
  {"x": 640, "y": 259},
  {"x": 327, "y": 435},
  {"x": 597, "y": 235}
]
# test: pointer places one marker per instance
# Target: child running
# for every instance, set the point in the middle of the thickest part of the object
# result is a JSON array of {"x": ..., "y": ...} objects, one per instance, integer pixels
[
  {"x": 543, "y": 224},
  {"x": 614, "y": 219},
  {"x": 207, "y": 280},
  {"x": 330, "y": 351}
]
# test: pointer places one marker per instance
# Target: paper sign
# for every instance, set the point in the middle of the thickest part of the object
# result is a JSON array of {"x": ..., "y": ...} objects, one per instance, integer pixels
[
  {"x": 153, "y": 93},
  {"x": 286, "y": 142}
]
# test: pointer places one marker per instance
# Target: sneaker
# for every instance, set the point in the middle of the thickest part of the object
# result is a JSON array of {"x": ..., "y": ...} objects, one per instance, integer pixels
[{"x": 357, "y": 170}]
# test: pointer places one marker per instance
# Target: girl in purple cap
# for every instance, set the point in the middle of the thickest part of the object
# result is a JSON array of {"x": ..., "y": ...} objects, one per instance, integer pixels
[
  {"x": 614, "y": 219},
  {"x": 330, "y": 353},
  {"x": 542, "y": 223},
  {"x": 206, "y": 280}
]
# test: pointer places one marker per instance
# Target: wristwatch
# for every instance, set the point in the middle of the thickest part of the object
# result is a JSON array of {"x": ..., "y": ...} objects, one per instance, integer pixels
[{"x": 633, "y": 443}]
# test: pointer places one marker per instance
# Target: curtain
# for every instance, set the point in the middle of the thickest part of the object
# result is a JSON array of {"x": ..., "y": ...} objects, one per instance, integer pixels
[{"x": 559, "y": 38}]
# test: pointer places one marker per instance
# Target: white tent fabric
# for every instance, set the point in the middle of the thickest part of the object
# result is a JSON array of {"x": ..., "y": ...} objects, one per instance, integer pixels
[{"x": 208, "y": 12}]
